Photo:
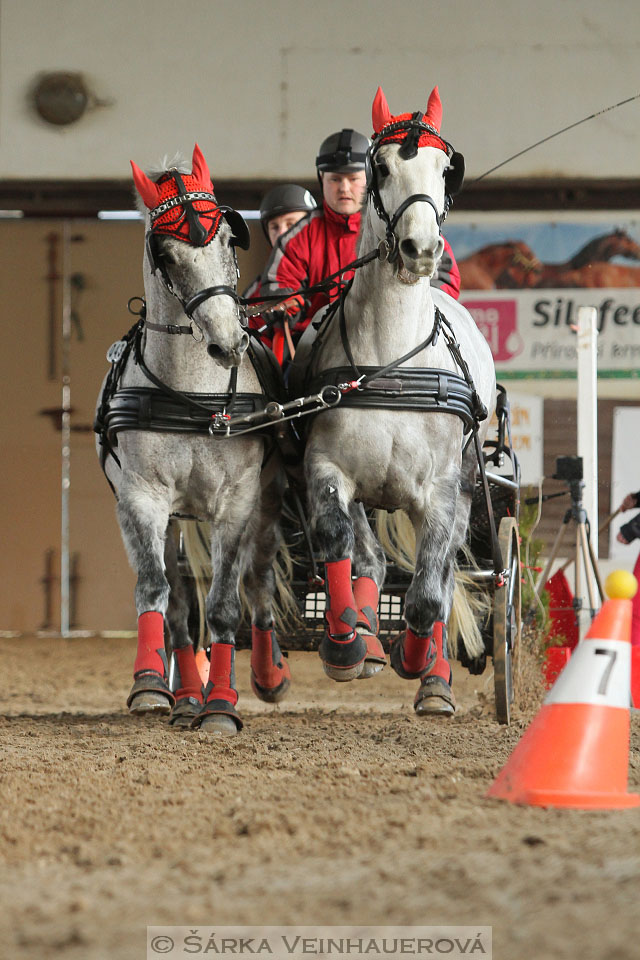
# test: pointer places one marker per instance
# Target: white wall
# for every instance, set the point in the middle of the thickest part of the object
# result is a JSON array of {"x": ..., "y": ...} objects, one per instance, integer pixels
[{"x": 260, "y": 83}]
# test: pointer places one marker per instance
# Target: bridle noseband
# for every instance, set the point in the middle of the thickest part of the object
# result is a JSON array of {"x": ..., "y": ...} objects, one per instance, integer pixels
[{"x": 413, "y": 128}]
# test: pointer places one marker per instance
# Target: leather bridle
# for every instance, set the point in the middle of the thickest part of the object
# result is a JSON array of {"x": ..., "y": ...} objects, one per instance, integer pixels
[
  {"x": 198, "y": 236},
  {"x": 413, "y": 128}
]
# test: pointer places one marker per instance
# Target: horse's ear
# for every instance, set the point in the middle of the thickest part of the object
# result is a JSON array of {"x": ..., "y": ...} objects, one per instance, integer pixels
[
  {"x": 147, "y": 189},
  {"x": 199, "y": 168},
  {"x": 434, "y": 110},
  {"x": 380, "y": 113}
]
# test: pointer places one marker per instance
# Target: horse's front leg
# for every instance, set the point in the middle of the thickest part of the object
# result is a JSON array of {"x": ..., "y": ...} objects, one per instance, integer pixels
[
  {"x": 270, "y": 674},
  {"x": 369, "y": 568},
  {"x": 220, "y": 696},
  {"x": 421, "y": 651},
  {"x": 342, "y": 649},
  {"x": 187, "y": 683},
  {"x": 143, "y": 523}
]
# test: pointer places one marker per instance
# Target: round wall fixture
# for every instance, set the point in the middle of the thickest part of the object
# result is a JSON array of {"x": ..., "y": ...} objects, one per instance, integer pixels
[{"x": 61, "y": 98}]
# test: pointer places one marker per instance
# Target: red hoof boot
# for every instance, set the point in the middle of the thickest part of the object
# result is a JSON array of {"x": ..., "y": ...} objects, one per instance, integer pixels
[
  {"x": 412, "y": 656},
  {"x": 270, "y": 674},
  {"x": 375, "y": 660},
  {"x": 218, "y": 713},
  {"x": 435, "y": 697}
]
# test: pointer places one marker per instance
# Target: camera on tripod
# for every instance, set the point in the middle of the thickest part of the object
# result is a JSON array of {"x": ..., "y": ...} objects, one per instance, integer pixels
[{"x": 568, "y": 468}]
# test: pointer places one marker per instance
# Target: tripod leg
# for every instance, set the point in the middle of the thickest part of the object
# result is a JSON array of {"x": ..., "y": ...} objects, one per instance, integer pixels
[
  {"x": 586, "y": 558},
  {"x": 596, "y": 571}
]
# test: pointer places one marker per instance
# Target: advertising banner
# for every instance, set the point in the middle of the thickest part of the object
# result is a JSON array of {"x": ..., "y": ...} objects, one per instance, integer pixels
[{"x": 524, "y": 280}]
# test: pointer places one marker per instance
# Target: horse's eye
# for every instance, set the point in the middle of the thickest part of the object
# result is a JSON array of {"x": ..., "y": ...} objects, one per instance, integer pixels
[
  {"x": 168, "y": 257},
  {"x": 382, "y": 170}
]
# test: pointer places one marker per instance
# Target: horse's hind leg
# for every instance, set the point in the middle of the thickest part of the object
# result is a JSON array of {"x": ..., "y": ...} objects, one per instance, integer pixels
[
  {"x": 342, "y": 649},
  {"x": 421, "y": 652},
  {"x": 270, "y": 674},
  {"x": 369, "y": 567},
  {"x": 187, "y": 685},
  {"x": 143, "y": 523}
]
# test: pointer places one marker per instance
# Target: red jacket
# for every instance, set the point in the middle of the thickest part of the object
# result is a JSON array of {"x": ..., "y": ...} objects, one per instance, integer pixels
[{"x": 323, "y": 243}]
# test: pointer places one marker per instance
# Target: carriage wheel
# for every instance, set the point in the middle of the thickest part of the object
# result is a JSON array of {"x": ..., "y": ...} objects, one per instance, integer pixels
[{"x": 507, "y": 622}]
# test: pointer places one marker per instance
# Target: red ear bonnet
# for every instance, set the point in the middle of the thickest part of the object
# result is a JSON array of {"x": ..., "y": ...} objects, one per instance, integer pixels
[
  {"x": 147, "y": 189},
  {"x": 382, "y": 117},
  {"x": 380, "y": 113},
  {"x": 434, "y": 110},
  {"x": 200, "y": 170},
  {"x": 196, "y": 217}
]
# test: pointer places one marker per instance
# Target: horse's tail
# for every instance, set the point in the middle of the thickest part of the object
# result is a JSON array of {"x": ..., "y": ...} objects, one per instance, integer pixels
[
  {"x": 470, "y": 605},
  {"x": 196, "y": 539}
]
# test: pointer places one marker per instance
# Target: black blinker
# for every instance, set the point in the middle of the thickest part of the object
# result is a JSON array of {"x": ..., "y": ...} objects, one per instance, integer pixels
[
  {"x": 454, "y": 176},
  {"x": 241, "y": 237}
]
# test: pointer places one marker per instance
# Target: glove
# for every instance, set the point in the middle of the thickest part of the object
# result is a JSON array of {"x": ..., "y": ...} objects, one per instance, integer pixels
[{"x": 289, "y": 311}]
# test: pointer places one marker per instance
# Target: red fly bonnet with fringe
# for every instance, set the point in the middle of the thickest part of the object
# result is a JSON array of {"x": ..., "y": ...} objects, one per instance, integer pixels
[{"x": 390, "y": 129}]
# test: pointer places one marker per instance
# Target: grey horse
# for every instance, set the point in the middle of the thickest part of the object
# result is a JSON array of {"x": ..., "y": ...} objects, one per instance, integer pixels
[
  {"x": 423, "y": 462},
  {"x": 159, "y": 467}
]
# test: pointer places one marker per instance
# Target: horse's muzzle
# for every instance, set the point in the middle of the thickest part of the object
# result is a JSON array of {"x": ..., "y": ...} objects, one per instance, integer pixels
[
  {"x": 226, "y": 357},
  {"x": 421, "y": 260}
]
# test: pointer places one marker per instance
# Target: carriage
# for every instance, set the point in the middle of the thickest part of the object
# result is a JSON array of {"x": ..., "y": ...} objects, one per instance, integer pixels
[{"x": 419, "y": 456}]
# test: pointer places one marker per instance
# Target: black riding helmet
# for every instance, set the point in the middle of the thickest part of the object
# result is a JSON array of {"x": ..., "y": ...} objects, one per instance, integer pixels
[
  {"x": 286, "y": 198},
  {"x": 342, "y": 152}
]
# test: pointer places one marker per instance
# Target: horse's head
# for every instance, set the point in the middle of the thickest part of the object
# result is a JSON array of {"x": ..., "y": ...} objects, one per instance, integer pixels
[
  {"x": 190, "y": 245},
  {"x": 412, "y": 174}
]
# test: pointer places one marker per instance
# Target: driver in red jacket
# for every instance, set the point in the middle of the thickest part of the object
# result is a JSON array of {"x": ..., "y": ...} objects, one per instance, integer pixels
[{"x": 325, "y": 241}]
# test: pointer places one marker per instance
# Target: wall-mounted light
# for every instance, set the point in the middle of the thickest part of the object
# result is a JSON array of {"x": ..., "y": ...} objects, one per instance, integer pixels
[{"x": 61, "y": 98}]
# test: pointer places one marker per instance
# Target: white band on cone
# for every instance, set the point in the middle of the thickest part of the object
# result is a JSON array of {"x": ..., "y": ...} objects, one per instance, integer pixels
[{"x": 598, "y": 673}]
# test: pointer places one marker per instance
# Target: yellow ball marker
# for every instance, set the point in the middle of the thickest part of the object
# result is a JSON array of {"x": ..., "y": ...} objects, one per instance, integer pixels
[{"x": 621, "y": 585}]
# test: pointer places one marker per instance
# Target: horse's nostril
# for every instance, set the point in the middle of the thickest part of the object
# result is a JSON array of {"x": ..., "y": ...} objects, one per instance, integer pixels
[
  {"x": 215, "y": 351},
  {"x": 409, "y": 248},
  {"x": 244, "y": 343}
]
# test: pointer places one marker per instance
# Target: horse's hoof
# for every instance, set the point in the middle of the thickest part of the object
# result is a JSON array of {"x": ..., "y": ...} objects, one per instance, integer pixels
[
  {"x": 270, "y": 695},
  {"x": 369, "y": 669},
  {"x": 434, "y": 698},
  {"x": 184, "y": 711},
  {"x": 343, "y": 660},
  {"x": 375, "y": 661},
  {"x": 150, "y": 693},
  {"x": 220, "y": 725},
  {"x": 218, "y": 716},
  {"x": 343, "y": 674},
  {"x": 150, "y": 703}
]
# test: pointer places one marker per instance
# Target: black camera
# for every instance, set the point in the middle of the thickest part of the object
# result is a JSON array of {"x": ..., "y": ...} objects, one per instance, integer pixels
[{"x": 568, "y": 468}]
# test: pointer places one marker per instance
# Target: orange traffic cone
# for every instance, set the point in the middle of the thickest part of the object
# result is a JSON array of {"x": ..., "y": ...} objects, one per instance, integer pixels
[{"x": 575, "y": 753}]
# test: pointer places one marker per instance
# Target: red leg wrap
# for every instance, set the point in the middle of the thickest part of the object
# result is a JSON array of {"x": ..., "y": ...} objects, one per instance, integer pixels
[
  {"x": 222, "y": 680},
  {"x": 151, "y": 655},
  {"x": 441, "y": 667},
  {"x": 416, "y": 652},
  {"x": 366, "y": 596},
  {"x": 267, "y": 663},
  {"x": 341, "y": 611},
  {"x": 190, "y": 684}
]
